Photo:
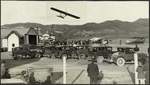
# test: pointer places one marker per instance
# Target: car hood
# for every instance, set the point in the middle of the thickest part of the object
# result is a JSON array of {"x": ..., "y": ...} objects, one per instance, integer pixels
[
  {"x": 115, "y": 54},
  {"x": 141, "y": 54}
]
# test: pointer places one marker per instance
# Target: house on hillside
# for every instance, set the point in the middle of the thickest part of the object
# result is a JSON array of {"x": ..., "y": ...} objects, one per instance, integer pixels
[{"x": 16, "y": 37}]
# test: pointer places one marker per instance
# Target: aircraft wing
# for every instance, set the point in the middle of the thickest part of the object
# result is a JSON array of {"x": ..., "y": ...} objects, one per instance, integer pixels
[{"x": 68, "y": 14}]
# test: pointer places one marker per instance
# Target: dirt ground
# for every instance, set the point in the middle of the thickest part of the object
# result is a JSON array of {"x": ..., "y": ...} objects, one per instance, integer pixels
[{"x": 76, "y": 69}]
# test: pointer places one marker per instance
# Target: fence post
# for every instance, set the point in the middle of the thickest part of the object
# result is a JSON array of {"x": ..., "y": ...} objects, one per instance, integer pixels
[
  {"x": 135, "y": 67},
  {"x": 64, "y": 69}
]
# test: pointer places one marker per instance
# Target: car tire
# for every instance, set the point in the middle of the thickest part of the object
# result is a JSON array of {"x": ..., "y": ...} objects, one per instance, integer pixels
[
  {"x": 38, "y": 55},
  {"x": 82, "y": 56},
  {"x": 53, "y": 56},
  {"x": 100, "y": 59},
  {"x": 120, "y": 61},
  {"x": 15, "y": 57},
  {"x": 19, "y": 57}
]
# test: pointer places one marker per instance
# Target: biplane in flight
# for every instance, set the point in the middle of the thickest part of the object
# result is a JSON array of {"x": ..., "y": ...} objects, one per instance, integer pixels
[{"x": 63, "y": 14}]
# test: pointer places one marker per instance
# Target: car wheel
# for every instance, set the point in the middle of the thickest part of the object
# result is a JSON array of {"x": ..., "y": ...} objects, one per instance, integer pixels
[
  {"x": 19, "y": 57},
  {"x": 15, "y": 57},
  {"x": 120, "y": 61},
  {"x": 64, "y": 55},
  {"x": 82, "y": 56},
  {"x": 38, "y": 55},
  {"x": 100, "y": 59},
  {"x": 53, "y": 56}
]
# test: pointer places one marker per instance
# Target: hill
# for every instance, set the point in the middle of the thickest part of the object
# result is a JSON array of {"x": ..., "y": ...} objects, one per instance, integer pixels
[{"x": 113, "y": 28}]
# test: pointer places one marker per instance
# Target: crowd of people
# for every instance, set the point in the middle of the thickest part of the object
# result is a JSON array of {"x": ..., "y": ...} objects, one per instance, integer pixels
[{"x": 77, "y": 42}]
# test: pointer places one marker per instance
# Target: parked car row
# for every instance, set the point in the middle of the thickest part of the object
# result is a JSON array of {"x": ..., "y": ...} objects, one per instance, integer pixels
[{"x": 119, "y": 57}]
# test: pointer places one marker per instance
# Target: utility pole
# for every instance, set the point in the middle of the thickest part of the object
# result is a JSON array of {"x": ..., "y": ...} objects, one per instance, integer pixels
[
  {"x": 135, "y": 67},
  {"x": 64, "y": 69}
]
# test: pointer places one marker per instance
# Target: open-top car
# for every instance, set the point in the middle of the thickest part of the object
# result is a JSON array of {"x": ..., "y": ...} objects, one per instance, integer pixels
[{"x": 125, "y": 54}]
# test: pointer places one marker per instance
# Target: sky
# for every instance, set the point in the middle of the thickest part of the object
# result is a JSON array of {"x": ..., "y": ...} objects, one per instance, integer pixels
[{"x": 88, "y": 11}]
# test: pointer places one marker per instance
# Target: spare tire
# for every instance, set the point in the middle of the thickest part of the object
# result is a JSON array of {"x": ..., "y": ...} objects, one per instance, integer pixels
[
  {"x": 82, "y": 56},
  {"x": 120, "y": 61},
  {"x": 38, "y": 55},
  {"x": 100, "y": 59}
]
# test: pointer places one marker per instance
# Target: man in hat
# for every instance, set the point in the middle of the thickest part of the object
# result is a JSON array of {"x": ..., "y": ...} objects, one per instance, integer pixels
[
  {"x": 93, "y": 71},
  {"x": 136, "y": 49},
  {"x": 3, "y": 67},
  {"x": 146, "y": 68}
]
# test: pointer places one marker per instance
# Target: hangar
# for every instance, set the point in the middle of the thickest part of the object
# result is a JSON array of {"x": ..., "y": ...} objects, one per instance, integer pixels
[{"x": 11, "y": 38}]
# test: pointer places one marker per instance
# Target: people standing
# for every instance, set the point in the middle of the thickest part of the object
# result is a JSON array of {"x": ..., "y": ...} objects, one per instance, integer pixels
[
  {"x": 3, "y": 67},
  {"x": 3, "y": 63},
  {"x": 93, "y": 72},
  {"x": 6, "y": 74},
  {"x": 32, "y": 78},
  {"x": 141, "y": 75},
  {"x": 136, "y": 49},
  {"x": 2, "y": 70},
  {"x": 146, "y": 68},
  {"x": 120, "y": 42},
  {"x": 48, "y": 80}
]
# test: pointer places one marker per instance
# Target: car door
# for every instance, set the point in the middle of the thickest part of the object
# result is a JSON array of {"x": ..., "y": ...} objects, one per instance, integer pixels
[
  {"x": 69, "y": 50},
  {"x": 128, "y": 55},
  {"x": 99, "y": 51}
]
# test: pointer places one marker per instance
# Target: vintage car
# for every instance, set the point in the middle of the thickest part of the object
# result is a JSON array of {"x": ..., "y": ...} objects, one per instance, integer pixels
[
  {"x": 94, "y": 51},
  {"x": 104, "y": 51},
  {"x": 65, "y": 50},
  {"x": 82, "y": 51},
  {"x": 49, "y": 51},
  {"x": 25, "y": 51},
  {"x": 126, "y": 54}
]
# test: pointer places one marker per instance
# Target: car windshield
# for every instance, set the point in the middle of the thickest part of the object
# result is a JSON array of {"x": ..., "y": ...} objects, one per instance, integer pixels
[
  {"x": 15, "y": 49},
  {"x": 131, "y": 50},
  {"x": 109, "y": 49},
  {"x": 120, "y": 50}
]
